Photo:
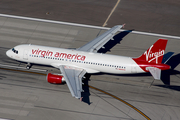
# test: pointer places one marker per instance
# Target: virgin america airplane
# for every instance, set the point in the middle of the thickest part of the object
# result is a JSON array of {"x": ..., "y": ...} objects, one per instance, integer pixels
[{"x": 74, "y": 64}]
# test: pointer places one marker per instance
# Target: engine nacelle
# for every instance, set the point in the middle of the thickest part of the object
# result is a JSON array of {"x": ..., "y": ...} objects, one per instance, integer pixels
[{"x": 55, "y": 79}]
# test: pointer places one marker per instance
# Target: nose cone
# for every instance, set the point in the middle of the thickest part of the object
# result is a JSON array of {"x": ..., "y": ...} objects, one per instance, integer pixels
[{"x": 8, "y": 53}]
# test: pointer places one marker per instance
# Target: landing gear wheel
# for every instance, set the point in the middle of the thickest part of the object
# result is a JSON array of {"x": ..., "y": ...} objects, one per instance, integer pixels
[{"x": 28, "y": 66}]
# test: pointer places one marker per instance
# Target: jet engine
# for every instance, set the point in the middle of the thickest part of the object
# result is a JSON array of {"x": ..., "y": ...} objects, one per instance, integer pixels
[{"x": 55, "y": 78}]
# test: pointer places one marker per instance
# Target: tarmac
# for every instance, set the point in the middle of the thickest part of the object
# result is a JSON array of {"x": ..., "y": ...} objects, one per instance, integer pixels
[
  {"x": 26, "y": 95},
  {"x": 141, "y": 15}
]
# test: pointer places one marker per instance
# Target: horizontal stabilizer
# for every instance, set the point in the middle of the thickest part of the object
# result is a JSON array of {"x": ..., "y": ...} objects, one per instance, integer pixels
[{"x": 155, "y": 72}]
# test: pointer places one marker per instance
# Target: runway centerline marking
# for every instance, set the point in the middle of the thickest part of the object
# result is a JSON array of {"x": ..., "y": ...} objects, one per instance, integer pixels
[
  {"x": 105, "y": 23},
  {"x": 90, "y": 87}
]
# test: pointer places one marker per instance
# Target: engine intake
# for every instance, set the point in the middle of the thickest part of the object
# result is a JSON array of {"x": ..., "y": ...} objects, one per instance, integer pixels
[{"x": 55, "y": 79}]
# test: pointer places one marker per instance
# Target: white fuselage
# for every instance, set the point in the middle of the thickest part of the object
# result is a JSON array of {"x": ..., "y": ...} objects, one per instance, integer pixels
[{"x": 91, "y": 62}]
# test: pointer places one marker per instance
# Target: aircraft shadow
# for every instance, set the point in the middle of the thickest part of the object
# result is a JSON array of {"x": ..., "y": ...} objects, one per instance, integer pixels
[
  {"x": 173, "y": 62},
  {"x": 86, "y": 92},
  {"x": 172, "y": 87},
  {"x": 111, "y": 43}
]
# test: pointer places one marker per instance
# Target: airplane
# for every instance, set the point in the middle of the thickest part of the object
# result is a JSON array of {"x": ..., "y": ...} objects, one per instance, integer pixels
[{"x": 75, "y": 63}]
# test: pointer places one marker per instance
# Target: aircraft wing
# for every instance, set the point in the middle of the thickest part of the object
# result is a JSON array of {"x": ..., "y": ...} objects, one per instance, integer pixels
[
  {"x": 97, "y": 43},
  {"x": 73, "y": 77}
]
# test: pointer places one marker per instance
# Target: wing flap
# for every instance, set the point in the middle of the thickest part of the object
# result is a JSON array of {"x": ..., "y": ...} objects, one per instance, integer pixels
[{"x": 73, "y": 77}]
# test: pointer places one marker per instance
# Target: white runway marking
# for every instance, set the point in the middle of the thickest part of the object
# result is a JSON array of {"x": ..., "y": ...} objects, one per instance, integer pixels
[
  {"x": 51, "y": 21},
  {"x": 83, "y": 25}
]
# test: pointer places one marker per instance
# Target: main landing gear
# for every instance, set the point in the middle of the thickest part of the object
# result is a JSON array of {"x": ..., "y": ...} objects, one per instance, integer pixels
[{"x": 28, "y": 66}]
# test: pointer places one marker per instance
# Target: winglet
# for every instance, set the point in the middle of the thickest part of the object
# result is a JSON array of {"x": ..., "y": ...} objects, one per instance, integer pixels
[{"x": 123, "y": 25}]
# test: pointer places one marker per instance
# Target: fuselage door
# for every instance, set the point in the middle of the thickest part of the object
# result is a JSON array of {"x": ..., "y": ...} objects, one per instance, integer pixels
[
  {"x": 25, "y": 55},
  {"x": 133, "y": 69}
]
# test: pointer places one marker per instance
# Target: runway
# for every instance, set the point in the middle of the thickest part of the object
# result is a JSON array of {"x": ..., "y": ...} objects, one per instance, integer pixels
[{"x": 28, "y": 96}]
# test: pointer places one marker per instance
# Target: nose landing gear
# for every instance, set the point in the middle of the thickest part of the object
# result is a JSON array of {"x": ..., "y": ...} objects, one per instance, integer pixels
[{"x": 28, "y": 66}]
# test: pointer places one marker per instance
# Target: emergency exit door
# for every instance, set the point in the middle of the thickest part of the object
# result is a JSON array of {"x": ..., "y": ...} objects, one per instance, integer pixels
[{"x": 25, "y": 55}]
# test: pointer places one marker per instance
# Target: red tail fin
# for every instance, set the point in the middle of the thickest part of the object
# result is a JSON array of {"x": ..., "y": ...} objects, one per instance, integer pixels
[{"x": 155, "y": 53}]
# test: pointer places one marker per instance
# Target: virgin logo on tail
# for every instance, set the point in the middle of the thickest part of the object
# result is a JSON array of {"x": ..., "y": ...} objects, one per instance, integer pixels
[
  {"x": 155, "y": 53},
  {"x": 150, "y": 56}
]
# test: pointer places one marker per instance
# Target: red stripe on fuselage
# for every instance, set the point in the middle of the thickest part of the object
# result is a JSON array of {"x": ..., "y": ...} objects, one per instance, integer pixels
[{"x": 143, "y": 65}]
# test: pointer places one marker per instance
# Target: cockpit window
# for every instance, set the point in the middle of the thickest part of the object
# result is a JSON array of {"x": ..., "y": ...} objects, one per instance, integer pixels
[{"x": 15, "y": 51}]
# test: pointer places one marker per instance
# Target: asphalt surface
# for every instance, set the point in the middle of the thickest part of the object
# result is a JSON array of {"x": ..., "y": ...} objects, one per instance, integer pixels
[
  {"x": 142, "y": 15},
  {"x": 27, "y": 96}
]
